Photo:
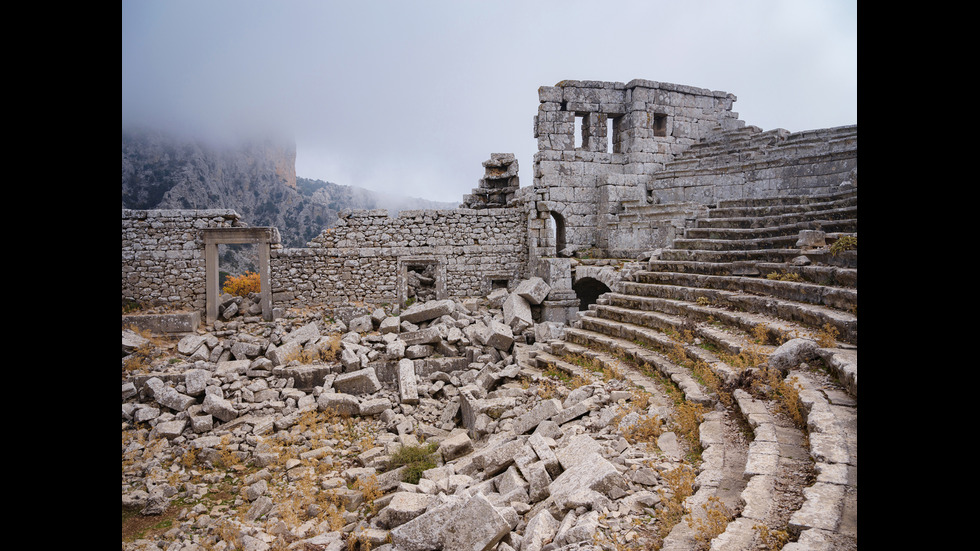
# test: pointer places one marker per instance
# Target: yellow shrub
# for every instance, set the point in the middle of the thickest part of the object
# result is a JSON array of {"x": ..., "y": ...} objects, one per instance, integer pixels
[{"x": 242, "y": 285}]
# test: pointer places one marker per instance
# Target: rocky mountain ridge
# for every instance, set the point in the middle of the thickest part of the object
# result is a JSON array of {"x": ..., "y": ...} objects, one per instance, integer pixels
[{"x": 256, "y": 178}]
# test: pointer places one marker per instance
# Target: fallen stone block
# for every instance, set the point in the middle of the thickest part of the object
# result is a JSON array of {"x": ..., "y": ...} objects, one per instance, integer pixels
[
  {"x": 539, "y": 481},
  {"x": 375, "y": 406},
  {"x": 534, "y": 290},
  {"x": 499, "y": 336},
  {"x": 302, "y": 335},
  {"x": 169, "y": 429},
  {"x": 472, "y": 524},
  {"x": 342, "y": 404},
  {"x": 588, "y": 482},
  {"x": 517, "y": 313},
  {"x": 407, "y": 388},
  {"x": 281, "y": 354},
  {"x": 403, "y": 507},
  {"x": 578, "y": 449},
  {"x": 425, "y": 311},
  {"x": 429, "y": 335},
  {"x": 169, "y": 397},
  {"x": 539, "y": 531},
  {"x": 219, "y": 408},
  {"x": 390, "y": 324},
  {"x": 361, "y": 324},
  {"x": 530, "y": 420},
  {"x": 196, "y": 380},
  {"x": 575, "y": 411},
  {"x": 362, "y": 381},
  {"x": 545, "y": 454},
  {"x": 497, "y": 458},
  {"x": 455, "y": 445}
]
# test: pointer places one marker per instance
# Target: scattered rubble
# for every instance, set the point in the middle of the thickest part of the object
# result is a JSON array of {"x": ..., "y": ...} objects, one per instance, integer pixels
[{"x": 296, "y": 422}]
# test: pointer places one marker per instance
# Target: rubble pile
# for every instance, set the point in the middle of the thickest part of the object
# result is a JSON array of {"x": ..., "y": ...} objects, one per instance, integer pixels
[{"x": 298, "y": 422}]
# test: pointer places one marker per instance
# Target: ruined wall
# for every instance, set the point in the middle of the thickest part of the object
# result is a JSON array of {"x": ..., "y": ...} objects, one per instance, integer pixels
[
  {"x": 163, "y": 255},
  {"x": 366, "y": 257},
  {"x": 599, "y": 141},
  {"x": 621, "y": 168}
]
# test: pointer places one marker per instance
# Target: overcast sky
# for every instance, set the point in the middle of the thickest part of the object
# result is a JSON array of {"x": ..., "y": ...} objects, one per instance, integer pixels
[{"x": 410, "y": 97}]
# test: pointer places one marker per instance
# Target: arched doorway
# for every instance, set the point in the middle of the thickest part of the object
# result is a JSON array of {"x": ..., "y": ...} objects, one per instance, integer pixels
[{"x": 588, "y": 290}]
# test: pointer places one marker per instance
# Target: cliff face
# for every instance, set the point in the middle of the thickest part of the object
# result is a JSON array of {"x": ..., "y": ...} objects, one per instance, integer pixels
[{"x": 257, "y": 179}]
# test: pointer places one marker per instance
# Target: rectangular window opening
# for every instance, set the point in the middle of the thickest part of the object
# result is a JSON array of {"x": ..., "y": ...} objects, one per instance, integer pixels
[
  {"x": 580, "y": 131},
  {"x": 659, "y": 125}
]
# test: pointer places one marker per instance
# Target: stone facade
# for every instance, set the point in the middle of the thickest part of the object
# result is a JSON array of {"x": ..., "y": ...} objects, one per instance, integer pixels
[
  {"x": 621, "y": 169},
  {"x": 658, "y": 153},
  {"x": 368, "y": 255},
  {"x": 163, "y": 254}
]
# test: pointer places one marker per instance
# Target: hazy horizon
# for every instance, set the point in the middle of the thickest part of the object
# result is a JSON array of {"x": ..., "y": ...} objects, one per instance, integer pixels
[{"x": 411, "y": 98}]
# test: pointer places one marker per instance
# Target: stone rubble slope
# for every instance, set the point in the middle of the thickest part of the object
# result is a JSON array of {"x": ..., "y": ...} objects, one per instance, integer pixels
[{"x": 519, "y": 460}]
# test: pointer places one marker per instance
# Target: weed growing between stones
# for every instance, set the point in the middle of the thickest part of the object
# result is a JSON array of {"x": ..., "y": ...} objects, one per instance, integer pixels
[
  {"x": 827, "y": 337},
  {"x": 415, "y": 459},
  {"x": 711, "y": 524},
  {"x": 771, "y": 540},
  {"x": 845, "y": 243}
]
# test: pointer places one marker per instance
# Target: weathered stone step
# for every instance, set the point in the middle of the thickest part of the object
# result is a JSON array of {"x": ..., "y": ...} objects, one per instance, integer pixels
[
  {"x": 668, "y": 298},
  {"x": 726, "y": 207},
  {"x": 821, "y": 275},
  {"x": 614, "y": 324},
  {"x": 830, "y": 507},
  {"x": 787, "y": 227},
  {"x": 735, "y": 244},
  {"x": 845, "y": 259},
  {"x": 645, "y": 312},
  {"x": 775, "y": 215},
  {"x": 840, "y": 298},
  {"x": 681, "y": 376}
]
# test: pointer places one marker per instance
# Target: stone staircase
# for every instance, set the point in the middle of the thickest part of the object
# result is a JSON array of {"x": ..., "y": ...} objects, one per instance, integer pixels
[{"x": 751, "y": 275}]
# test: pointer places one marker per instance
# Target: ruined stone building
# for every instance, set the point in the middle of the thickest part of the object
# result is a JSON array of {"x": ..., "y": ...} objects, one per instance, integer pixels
[{"x": 621, "y": 170}]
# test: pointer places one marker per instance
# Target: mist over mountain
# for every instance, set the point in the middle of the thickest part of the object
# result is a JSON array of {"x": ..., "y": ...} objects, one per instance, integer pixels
[{"x": 256, "y": 178}]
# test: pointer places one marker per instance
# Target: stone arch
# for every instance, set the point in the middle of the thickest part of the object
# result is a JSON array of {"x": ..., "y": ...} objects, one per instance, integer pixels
[{"x": 588, "y": 290}]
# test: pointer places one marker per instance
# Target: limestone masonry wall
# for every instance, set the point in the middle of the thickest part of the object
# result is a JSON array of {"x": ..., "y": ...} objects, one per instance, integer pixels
[
  {"x": 163, "y": 254},
  {"x": 367, "y": 256}
]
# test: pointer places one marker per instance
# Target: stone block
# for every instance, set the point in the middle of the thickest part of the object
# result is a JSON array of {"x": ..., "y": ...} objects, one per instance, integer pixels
[
  {"x": 342, "y": 404},
  {"x": 499, "y": 336},
  {"x": 530, "y": 420},
  {"x": 403, "y": 507},
  {"x": 463, "y": 524},
  {"x": 517, "y": 313},
  {"x": 362, "y": 381},
  {"x": 407, "y": 388},
  {"x": 425, "y": 311},
  {"x": 455, "y": 445},
  {"x": 534, "y": 290}
]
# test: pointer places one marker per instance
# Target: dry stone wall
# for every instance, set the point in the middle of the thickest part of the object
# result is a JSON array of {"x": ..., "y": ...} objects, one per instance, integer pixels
[
  {"x": 366, "y": 257},
  {"x": 163, "y": 254}
]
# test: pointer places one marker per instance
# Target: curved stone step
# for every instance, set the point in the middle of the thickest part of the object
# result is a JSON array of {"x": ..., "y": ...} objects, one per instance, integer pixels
[
  {"x": 840, "y": 298},
  {"x": 772, "y": 213},
  {"x": 612, "y": 321},
  {"x": 726, "y": 207},
  {"x": 845, "y": 223},
  {"x": 813, "y": 316},
  {"x": 846, "y": 259},
  {"x": 680, "y": 376},
  {"x": 820, "y": 275}
]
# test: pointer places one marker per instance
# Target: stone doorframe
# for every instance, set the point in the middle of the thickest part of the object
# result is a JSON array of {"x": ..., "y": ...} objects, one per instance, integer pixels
[
  {"x": 264, "y": 238},
  {"x": 404, "y": 262}
]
